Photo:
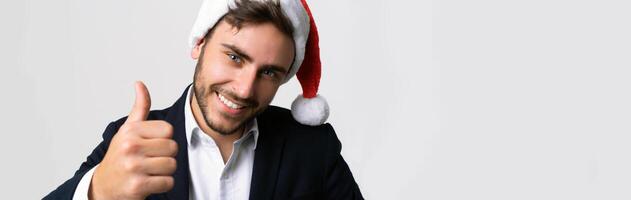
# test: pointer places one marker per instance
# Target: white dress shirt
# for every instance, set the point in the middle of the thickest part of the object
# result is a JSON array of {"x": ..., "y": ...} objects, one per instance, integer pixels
[{"x": 210, "y": 178}]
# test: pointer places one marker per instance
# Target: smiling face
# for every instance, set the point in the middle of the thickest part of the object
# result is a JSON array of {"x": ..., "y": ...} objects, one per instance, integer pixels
[{"x": 238, "y": 73}]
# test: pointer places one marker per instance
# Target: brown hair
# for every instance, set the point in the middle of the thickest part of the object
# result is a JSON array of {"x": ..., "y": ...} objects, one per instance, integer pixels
[{"x": 252, "y": 12}]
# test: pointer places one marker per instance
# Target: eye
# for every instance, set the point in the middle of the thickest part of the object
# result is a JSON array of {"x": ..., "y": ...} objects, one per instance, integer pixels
[
  {"x": 269, "y": 72},
  {"x": 234, "y": 58}
]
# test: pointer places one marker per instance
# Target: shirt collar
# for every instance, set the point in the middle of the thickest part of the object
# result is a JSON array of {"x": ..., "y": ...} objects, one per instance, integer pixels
[{"x": 191, "y": 124}]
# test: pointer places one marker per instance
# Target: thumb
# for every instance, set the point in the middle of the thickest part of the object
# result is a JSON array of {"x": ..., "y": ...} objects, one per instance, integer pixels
[{"x": 141, "y": 107}]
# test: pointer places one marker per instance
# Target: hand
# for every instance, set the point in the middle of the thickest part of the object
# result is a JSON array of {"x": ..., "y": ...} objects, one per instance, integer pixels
[{"x": 140, "y": 159}]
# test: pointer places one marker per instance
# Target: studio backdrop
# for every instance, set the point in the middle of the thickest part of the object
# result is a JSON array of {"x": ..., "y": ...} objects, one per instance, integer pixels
[{"x": 443, "y": 99}]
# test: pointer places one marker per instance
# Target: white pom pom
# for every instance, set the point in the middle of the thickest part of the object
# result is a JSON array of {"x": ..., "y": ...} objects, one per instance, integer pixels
[{"x": 312, "y": 111}]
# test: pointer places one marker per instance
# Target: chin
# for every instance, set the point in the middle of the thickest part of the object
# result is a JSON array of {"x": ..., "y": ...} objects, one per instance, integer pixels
[
  {"x": 226, "y": 127},
  {"x": 225, "y": 124}
]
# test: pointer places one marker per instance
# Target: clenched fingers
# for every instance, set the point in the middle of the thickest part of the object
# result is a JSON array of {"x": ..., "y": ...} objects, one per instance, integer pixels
[
  {"x": 161, "y": 166},
  {"x": 159, "y": 148}
]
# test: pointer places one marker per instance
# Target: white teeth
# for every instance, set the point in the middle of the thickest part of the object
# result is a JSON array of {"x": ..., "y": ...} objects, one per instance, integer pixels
[{"x": 229, "y": 103}]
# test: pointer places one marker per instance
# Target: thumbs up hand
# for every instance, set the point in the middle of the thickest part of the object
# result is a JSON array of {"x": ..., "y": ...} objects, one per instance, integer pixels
[{"x": 140, "y": 159}]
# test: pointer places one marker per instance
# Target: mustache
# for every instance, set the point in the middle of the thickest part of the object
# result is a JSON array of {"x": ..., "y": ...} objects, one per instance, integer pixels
[{"x": 248, "y": 102}]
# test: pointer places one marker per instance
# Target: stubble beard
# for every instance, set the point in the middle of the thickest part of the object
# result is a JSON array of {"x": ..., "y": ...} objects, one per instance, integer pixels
[{"x": 201, "y": 93}]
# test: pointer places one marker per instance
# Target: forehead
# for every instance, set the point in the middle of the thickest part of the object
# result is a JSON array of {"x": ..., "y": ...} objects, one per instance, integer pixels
[{"x": 263, "y": 42}]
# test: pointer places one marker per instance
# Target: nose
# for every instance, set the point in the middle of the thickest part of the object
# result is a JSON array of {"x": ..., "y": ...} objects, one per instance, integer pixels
[{"x": 244, "y": 82}]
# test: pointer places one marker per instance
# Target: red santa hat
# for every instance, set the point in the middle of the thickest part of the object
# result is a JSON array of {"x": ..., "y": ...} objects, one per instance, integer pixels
[{"x": 308, "y": 108}]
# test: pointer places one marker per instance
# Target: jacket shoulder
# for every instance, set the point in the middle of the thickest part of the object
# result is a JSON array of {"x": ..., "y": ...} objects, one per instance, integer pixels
[{"x": 279, "y": 121}]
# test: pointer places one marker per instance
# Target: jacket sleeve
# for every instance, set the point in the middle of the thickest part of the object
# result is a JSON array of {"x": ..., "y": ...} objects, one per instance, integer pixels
[
  {"x": 339, "y": 181},
  {"x": 67, "y": 189}
]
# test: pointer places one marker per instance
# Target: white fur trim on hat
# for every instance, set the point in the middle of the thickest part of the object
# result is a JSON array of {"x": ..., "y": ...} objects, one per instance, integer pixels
[
  {"x": 209, "y": 14},
  {"x": 313, "y": 111}
]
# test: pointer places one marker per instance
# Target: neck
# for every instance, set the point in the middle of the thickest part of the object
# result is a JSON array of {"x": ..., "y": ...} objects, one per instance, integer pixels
[{"x": 219, "y": 138}]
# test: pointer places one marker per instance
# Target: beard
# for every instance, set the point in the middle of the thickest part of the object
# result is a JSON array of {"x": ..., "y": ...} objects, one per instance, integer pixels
[{"x": 202, "y": 92}]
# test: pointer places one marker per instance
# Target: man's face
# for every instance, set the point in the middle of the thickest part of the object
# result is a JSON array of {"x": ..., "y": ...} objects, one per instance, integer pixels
[{"x": 239, "y": 72}]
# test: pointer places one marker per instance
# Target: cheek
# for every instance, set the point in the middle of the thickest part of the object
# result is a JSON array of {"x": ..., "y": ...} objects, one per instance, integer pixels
[
  {"x": 266, "y": 93},
  {"x": 214, "y": 72}
]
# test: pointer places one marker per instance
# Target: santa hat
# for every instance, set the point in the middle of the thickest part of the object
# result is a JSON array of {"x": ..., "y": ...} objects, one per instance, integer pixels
[{"x": 308, "y": 108}]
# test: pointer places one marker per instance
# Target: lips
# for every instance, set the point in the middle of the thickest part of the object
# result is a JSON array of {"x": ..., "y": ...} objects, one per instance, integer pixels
[{"x": 228, "y": 103}]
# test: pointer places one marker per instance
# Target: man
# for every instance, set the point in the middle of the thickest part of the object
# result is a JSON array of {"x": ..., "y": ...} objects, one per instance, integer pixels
[{"x": 221, "y": 139}]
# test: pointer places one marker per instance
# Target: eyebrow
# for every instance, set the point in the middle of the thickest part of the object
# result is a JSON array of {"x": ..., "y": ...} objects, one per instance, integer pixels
[
  {"x": 245, "y": 56},
  {"x": 238, "y": 51}
]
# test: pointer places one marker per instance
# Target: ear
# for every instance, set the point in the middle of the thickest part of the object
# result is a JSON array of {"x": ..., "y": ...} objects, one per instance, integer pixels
[{"x": 198, "y": 49}]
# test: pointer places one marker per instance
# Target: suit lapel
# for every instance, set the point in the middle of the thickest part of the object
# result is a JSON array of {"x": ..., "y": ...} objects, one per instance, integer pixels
[
  {"x": 181, "y": 175},
  {"x": 266, "y": 160}
]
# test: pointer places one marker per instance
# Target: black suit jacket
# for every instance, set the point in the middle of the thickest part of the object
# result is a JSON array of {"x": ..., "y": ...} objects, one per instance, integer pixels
[{"x": 291, "y": 161}]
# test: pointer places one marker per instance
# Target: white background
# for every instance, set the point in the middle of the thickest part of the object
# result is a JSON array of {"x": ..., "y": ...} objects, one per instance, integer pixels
[{"x": 449, "y": 99}]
